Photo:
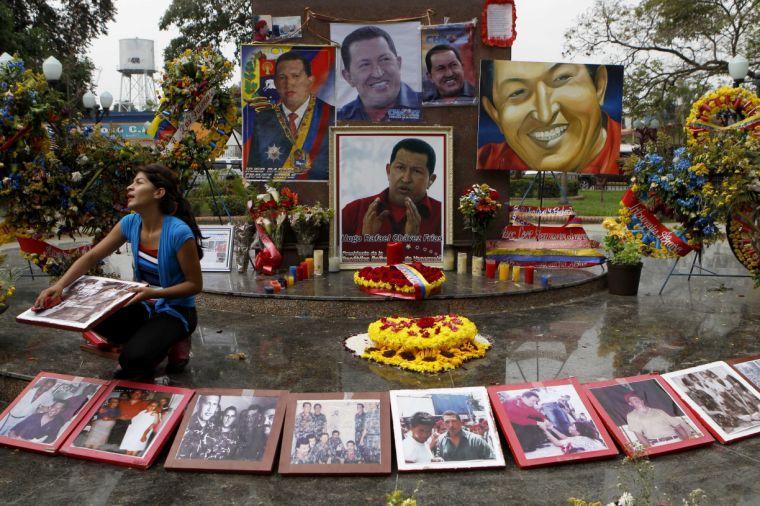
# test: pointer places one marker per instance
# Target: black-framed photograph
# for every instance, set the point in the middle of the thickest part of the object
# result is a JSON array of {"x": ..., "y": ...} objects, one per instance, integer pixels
[
  {"x": 391, "y": 184},
  {"x": 229, "y": 430},
  {"x": 217, "y": 248}
]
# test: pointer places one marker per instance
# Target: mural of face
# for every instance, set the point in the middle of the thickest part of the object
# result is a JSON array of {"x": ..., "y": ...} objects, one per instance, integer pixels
[{"x": 550, "y": 114}]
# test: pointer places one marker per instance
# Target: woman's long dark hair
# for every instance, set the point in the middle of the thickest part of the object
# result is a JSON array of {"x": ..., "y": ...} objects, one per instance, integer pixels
[{"x": 172, "y": 203}]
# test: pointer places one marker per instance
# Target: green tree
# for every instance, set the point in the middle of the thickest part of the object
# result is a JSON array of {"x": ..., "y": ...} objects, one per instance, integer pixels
[
  {"x": 673, "y": 50},
  {"x": 36, "y": 29},
  {"x": 207, "y": 23}
]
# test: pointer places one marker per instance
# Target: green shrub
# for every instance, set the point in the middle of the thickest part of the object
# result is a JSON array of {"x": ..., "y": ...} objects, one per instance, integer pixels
[{"x": 518, "y": 187}]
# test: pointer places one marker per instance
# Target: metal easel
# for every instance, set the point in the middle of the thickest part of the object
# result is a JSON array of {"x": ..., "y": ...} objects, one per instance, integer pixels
[{"x": 696, "y": 263}]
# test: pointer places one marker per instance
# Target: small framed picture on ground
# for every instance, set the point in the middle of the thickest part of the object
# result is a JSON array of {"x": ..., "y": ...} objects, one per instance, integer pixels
[
  {"x": 337, "y": 433},
  {"x": 749, "y": 369},
  {"x": 725, "y": 402},
  {"x": 444, "y": 428},
  {"x": 129, "y": 425},
  {"x": 645, "y": 415},
  {"x": 217, "y": 248},
  {"x": 550, "y": 422},
  {"x": 47, "y": 410},
  {"x": 85, "y": 303},
  {"x": 229, "y": 431}
]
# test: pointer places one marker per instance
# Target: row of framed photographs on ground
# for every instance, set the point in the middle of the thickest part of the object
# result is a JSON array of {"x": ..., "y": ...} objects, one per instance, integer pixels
[{"x": 227, "y": 430}]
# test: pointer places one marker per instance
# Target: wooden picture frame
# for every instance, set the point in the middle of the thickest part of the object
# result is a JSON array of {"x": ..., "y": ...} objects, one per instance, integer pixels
[
  {"x": 533, "y": 447},
  {"x": 220, "y": 459},
  {"x": 342, "y": 410},
  {"x": 80, "y": 308},
  {"x": 439, "y": 407},
  {"x": 704, "y": 390},
  {"x": 367, "y": 149},
  {"x": 31, "y": 407},
  {"x": 655, "y": 394},
  {"x": 748, "y": 368},
  {"x": 216, "y": 242},
  {"x": 81, "y": 441}
]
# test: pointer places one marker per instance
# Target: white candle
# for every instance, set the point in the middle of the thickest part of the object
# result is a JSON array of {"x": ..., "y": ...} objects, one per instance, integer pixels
[
  {"x": 462, "y": 263},
  {"x": 319, "y": 262},
  {"x": 477, "y": 266},
  {"x": 334, "y": 264},
  {"x": 448, "y": 260}
]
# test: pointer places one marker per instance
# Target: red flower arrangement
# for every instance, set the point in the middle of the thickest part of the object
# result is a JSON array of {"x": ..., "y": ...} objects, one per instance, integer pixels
[{"x": 389, "y": 274}]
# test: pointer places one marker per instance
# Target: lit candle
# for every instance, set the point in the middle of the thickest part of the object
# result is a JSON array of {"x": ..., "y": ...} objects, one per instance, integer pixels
[
  {"x": 545, "y": 281},
  {"x": 503, "y": 271},
  {"x": 529, "y": 275},
  {"x": 462, "y": 263},
  {"x": 477, "y": 266},
  {"x": 277, "y": 287},
  {"x": 310, "y": 267},
  {"x": 394, "y": 253},
  {"x": 448, "y": 259},
  {"x": 319, "y": 262},
  {"x": 290, "y": 279},
  {"x": 516, "y": 273},
  {"x": 333, "y": 264},
  {"x": 292, "y": 271},
  {"x": 490, "y": 269}
]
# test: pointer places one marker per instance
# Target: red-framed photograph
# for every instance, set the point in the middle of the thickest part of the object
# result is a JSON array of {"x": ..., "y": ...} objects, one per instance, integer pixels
[
  {"x": 336, "y": 433},
  {"x": 129, "y": 425},
  {"x": 550, "y": 422},
  {"x": 226, "y": 430},
  {"x": 748, "y": 368},
  {"x": 499, "y": 21},
  {"x": 726, "y": 403},
  {"x": 47, "y": 410},
  {"x": 645, "y": 415}
]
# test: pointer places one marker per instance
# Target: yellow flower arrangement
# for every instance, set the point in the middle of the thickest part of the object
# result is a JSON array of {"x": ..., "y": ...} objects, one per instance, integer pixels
[
  {"x": 705, "y": 112},
  {"x": 428, "y": 345}
]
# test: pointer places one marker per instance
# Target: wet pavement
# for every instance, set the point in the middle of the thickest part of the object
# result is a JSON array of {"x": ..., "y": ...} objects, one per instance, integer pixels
[{"x": 592, "y": 338}]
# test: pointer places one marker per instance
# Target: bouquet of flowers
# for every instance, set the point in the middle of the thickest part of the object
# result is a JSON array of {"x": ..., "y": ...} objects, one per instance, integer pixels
[
  {"x": 270, "y": 209},
  {"x": 306, "y": 222},
  {"x": 479, "y": 205}
]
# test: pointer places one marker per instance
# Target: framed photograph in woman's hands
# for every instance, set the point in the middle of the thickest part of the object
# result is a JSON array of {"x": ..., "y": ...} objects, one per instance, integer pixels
[
  {"x": 645, "y": 415},
  {"x": 47, "y": 410},
  {"x": 226, "y": 430},
  {"x": 337, "y": 433},
  {"x": 550, "y": 422},
  {"x": 129, "y": 425}
]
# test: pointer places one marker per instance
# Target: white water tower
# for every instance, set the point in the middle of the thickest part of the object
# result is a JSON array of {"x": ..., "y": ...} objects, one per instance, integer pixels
[{"x": 137, "y": 65}]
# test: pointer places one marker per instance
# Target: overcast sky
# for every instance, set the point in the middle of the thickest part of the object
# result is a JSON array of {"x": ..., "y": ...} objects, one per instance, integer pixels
[{"x": 541, "y": 25}]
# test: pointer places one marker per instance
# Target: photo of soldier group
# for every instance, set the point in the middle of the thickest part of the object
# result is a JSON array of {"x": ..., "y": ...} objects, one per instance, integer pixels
[
  {"x": 445, "y": 428},
  {"x": 227, "y": 427},
  {"x": 43, "y": 412},
  {"x": 645, "y": 414},
  {"x": 336, "y": 432},
  {"x": 723, "y": 399},
  {"x": 128, "y": 421}
]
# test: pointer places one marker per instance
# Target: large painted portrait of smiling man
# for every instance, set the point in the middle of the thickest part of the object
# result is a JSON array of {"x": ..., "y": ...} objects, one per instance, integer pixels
[{"x": 550, "y": 116}]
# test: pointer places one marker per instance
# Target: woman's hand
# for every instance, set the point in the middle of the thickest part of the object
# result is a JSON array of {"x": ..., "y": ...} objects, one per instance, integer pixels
[
  {"x": 143, "y": 293},
  {"x": 48, "y": 297}
]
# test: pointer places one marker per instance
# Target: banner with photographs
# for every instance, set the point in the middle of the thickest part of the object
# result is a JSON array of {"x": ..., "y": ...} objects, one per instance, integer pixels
[
  {"x": 448, "y": 66},
  {"x": 727, "y": 404},
  {"x": 288, "y": 97},
  {"x": 47, "y": 410},
  {"x": 229, "y": 430},
  {"x": 645, "y": 416},
  {"x": 217, "y": 248},
  {"x": 337, "y": 434},
  {"x": 550, "y": 422},
  {"x": 550, "y": 116},
  {"x": 445, "y": 428},
  {"x": 391, "y": 184},
  {"x": 129, "y": 425},
  {"x": 380, "y": 76},
  {"x": 85, "y": 302}
]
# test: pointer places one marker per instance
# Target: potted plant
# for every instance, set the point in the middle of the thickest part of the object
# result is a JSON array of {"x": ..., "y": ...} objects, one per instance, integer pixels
[{"x": 623, "y": 250}]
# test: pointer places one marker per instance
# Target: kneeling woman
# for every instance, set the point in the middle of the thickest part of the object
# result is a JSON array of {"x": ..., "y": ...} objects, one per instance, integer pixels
[{"x": 165, "y": 241}]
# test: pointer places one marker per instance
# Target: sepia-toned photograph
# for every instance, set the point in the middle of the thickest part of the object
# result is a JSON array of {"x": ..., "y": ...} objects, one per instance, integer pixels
[
  {"x": 447, "y": 428},
  {"x": 84, "y": 303},
  {"x": 644, "y": 416},
  {"x": 379, "y": 66},
  {"x": 217, "y": 248},
  {"x": 549, "y": 423},
  {"x": 331, "y": 434},
  {"x": 725, "y": 401},
  {"x": 43, "y": 414},
  {"x": 229, "y": 430},
  {"x": 130, "y": 424},
  {"x": 391, "y": 184}
]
